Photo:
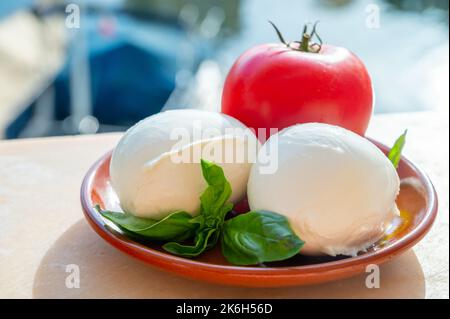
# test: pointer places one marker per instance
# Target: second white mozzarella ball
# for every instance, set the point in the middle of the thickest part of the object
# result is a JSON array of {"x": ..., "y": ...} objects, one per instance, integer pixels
[{"x": 336, "y": 188}]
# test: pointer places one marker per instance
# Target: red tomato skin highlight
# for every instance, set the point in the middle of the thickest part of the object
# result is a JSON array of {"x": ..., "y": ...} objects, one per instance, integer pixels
[{"x": 272, "y": 86}]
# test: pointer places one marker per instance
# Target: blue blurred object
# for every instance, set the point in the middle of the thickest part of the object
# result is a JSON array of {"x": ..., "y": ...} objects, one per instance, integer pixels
[
  {"x": 133, "y": 64},
  {"x": 132, "y": 71}
]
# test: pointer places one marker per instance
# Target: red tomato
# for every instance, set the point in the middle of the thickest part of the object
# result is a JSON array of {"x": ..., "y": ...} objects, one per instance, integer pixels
[{"x": 275, "y": 86}]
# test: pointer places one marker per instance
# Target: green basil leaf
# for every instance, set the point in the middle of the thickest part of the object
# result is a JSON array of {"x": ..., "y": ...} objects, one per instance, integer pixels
[
  {"x": 395, "y": 154},
  {"x": 176, "y": 226},
  {"x": 213, "y": 209},
  {"x": 214, "y": 198},
  {"x": 258, "y": 237},
  {"x": 201, "y": 244}
]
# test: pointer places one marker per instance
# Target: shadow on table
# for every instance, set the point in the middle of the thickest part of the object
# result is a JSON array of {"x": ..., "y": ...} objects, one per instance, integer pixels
[{"x": 107, "y": 273}]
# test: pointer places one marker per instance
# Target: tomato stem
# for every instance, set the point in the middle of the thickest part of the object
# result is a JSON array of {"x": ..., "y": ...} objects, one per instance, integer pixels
[
  {"x": 304, "y": 45},
  {"x": 279, "y": 34}
]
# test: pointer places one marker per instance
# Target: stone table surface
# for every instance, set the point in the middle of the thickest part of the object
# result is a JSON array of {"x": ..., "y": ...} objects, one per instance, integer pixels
[{"x": 42, "y": 228}]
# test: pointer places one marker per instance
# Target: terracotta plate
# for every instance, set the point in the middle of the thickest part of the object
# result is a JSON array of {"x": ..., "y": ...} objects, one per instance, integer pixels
[{"x": 417, "y": 200}]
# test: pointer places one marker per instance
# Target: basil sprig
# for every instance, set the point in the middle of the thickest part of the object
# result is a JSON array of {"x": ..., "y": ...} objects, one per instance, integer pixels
[
  {"x": 247, "y": 239},
  {"x": 213, "y": 209},
  {"x": 395, "y": 154},
  {"x": 258, "y": 237}
]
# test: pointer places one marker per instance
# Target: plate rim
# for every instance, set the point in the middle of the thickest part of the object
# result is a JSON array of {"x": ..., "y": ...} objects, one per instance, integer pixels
[{"x": 150, "y": 255}]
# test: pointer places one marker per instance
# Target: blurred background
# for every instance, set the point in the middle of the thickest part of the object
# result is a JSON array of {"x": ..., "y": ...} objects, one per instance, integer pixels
[{"x": 124, "y": 60}]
